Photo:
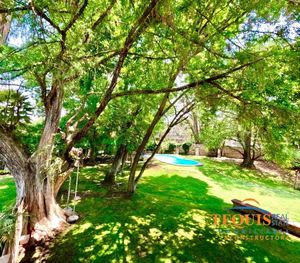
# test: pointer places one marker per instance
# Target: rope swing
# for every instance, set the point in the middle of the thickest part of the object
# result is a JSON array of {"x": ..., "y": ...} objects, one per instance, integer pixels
[
  {"x": 76, "y": 187},
  {"x": 72, "y": 217}
]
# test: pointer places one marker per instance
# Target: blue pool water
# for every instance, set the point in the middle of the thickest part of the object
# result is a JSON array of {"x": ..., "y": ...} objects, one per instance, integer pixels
[{"x": 173, "y": 159}]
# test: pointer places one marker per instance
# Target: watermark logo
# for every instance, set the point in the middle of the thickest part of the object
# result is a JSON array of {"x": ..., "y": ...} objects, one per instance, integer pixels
[{"x": 248, "y": 218}]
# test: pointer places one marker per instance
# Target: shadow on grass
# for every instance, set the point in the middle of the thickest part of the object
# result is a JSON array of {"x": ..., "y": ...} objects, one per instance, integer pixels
[{"x": 164, "y": 222}]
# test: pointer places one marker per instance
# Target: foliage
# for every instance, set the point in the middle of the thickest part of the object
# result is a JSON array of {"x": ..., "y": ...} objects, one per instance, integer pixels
[
  {"x": 151, "y": 146},
  {"x": 186, "y": 147},
  {"x": 215, "y": 129},
  {"x": 15, "y": 109},
  {"x": 30, "y": 135},
  {"x": 7, "y": 224},
  {"x": 7, "y": 217},
  {"x": 171, "y": 148},
  {"x": 296, "y": 159}
]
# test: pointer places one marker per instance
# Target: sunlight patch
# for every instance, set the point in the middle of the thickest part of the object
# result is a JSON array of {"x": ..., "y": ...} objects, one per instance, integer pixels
[
  {"x": 142, "y": 221},
  {"x": 155, "y": 233},
  {"x": 82, "y": 228},
  {"x": 165, "y": 260},
  {"x": 249, "y": 259},
  {"x": 181, "y": 233},
  {"x": 89, "y": 249}
]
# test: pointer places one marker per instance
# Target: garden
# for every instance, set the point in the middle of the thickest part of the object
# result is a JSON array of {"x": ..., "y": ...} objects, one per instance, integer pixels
[{"x": 149, "y": 131}]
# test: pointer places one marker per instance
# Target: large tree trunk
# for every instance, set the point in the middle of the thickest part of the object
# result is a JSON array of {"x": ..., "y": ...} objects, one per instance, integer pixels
[
  {"x": 43, "y": 214},
  {"x": 38, "y": 214},
  {"x": 248, "y": 159},
  {"x": 297, "y": 180},
  {"x": 194, "y": 124},
  {"x": 110, "y": 177},
  {"x": 36, "y": 177}
]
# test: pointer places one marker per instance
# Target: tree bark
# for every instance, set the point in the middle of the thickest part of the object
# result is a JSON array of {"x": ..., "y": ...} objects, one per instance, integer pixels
[
  {"x": 5, "y": 22},
  {"x": 141, "y": 147},
  {"x": 35, "y": 177},
  {"x": 110, "y": 177},
  {"x": 248, "y": 159},
  {"x": 297, "y": 180},
  {"x": 194, "y": 124},
  {"x": 124, "y": 159}
]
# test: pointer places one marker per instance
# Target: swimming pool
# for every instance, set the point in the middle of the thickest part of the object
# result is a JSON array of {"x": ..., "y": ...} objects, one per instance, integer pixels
[{"x": 175, "y": 160}]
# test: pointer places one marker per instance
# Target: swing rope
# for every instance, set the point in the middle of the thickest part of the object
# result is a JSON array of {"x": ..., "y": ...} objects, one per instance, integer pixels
[
  {"x": 76, "y": 156},
  {"x": 69, "y": 191},
  {"x": 76, "y": 185}
]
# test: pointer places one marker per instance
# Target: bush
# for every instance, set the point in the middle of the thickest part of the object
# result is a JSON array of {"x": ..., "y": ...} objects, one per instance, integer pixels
[
  {"x": 296, "y": 160},
  {"x": 151, "y": 147},
  {"x": 171, "y": 148},
  {"x": 4, "y": 172},
  {"x": 186, "y": 147},
  {"x": 7, "y": 226},
  {"x": 2, "y": 165}
]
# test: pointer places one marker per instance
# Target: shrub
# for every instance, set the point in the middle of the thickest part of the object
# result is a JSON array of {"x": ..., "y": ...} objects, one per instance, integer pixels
[
  {"x": 171, "y": 148},
  {"x": 7, "y": 226},
  {"x": 296, "y": 160},
  {"x": 151, "y": 147},
  {"x": 186, "y": 147}
]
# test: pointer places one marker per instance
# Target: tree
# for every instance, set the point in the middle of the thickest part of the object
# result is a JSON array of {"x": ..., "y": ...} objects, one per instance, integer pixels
[
  {"x": 216, "y": 129},
  {"x": 15, "y": 109},
  {"x": 38, "y": 178}
]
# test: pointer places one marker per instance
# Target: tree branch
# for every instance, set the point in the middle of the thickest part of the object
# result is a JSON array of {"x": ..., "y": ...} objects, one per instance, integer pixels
[
  {"x": 76, "y": 16},
  {"x": 184, "y": 87},
  {"x": 135, "y": 31},
  {"x": 178, "y": 118},
  {"x": 104, "y": 14},
  {"x": 41, "y": 14},
  {"x": 12, "y": 154},
  {"x": 15, "y": 9}
]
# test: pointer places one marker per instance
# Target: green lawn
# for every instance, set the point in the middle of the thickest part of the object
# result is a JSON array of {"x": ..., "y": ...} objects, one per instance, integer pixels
[
  {"x": 7, "y": 193},
  {"x": 166, "y": 220}
]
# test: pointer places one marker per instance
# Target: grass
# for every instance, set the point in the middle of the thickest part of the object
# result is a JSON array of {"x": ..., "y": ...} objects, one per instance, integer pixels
[
  {"x": 7, "y": 193},
  {"x": 169, "y": 218},
  {"x": 228, "y": 181},
  {"x": 166, "y": 220}
]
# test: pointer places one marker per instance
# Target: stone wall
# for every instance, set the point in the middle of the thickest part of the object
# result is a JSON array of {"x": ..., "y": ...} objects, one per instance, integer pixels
[
  {"x": 231, "y": 153},
  {"x": 199, "y": 149}
]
